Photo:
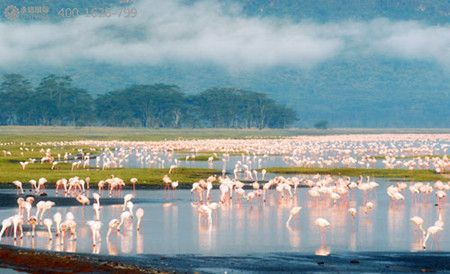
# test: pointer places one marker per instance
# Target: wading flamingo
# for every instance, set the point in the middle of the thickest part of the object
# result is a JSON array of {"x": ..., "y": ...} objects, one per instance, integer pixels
[
  {"x": 32, "y": 221},
  {"x": 17, "y": 221},
  {"x": 294, "y": 211},
  {"x": 126, "y": 215},
  {"x": 431, "y": 231},
  {"x": 418, "y": 222},
  {"x": 134, "y": 181},
  {"x": 6, "y": 223},
  {"x": 126, "y": 199},
  {"x": 18, "y": 184},
  {"x": 139, "y": 214},
  {"x": 322, "y": 223},
  {"x": 57, "y": 219},
  {"x": 112, "y": 225},
  {"x": 95, "y": 230},
  {"x": 83, "y": 200},
  {"x": 48, "y": 223}
]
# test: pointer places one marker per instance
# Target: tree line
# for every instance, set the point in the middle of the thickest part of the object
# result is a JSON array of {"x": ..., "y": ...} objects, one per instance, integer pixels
[{"x": 55, "y": 101}]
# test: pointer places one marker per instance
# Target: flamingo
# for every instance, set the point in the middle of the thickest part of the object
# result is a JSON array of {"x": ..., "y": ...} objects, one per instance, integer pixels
[
  {"x": 96, "y": 197},
  {"x": 41, "y": 184},
  {"x": 95, "y": 230},
  {"x": 167, "y": 181},
  {"x": 96, "y": 208},
  {"x": 126, "y": 199},
  {"x": 322, "y": 223},
  {"x": 61, "y": 183},
  {"x": 418, "y": 221},
  {"x": 33, "y": 184},
  {"x": 6, "y": 223},
  {"x": 431, "y": 231},
  {"x": 40, "y": 208},
  {"x": 17, "y": 221},
  {"x": 27, "y": 206},
  {"x": 20, "y": 201},
  {"x": 24, "y": 165},
  {"x": 32, "y": 221},
  {"x": 72, "y": 225},
  {"x": 139, "y": 214},
  {"x": 126, "y": 215},
  {"x": 369, "y": 206},
  {"x": 18, "y": 184},
  {"x": 130, "y": 207},
  {"x": 47, "y": 206},
  {"x": 101, "y": 184},
  {"x": 204, "y": 209},
  {"x": 134, "y": 181},
  {"x": 112, "y": 225},
  {"x": 174, "y": 187},
  {"x": 352, "y": 212},
  {"x": 83, "y": 200},
  {"x": 57, "y": 219},
  {"x": 209, "y": 186},
  {"x": 48, "y": 223},
  {"x": 294, "y": 211},
  {"x": 263, "y": 173},
  {"x": 63, "y": 228}
]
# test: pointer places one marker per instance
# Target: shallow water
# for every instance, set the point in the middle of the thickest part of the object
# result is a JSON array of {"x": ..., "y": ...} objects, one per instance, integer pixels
[{"x": 172, "y": 225}]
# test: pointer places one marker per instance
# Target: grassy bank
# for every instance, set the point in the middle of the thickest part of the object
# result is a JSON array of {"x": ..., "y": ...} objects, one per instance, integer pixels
[
  {"x": 44, "y": 134},
  {"x": 200, "y": 157},
  {"x": 13, "y": 171},
  {"x": 399, "y": 174}
]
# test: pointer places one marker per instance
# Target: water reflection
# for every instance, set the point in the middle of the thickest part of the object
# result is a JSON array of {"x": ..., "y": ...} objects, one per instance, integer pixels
[{"x": 175, "y": 226}]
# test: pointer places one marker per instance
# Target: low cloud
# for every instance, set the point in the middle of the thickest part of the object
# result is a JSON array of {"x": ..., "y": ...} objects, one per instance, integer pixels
[{"x": 208, "y": 32}]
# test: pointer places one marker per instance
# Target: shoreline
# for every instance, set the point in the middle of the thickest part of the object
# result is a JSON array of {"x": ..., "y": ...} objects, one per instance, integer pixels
[{"x": 28, "y": 260}]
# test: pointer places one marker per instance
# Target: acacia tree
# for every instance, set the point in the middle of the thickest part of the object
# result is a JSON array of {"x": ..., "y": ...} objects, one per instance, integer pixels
[
  {"x": 58, "y": 102},
  {"x": 15, "y": 92},
  {"x": 231, "y": 107},
  {"x": 113, "y": 109}
]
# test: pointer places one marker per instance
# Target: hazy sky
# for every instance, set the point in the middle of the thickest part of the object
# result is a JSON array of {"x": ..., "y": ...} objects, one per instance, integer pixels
[{"x": 211, "y": 33}]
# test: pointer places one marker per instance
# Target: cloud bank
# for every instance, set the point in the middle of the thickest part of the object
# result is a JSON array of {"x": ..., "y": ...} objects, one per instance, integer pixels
[{"x": 208, "y": 32}]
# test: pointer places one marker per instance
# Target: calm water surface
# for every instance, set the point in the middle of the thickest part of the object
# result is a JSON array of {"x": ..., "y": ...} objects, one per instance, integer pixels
[{"x": 172, "y": 225}]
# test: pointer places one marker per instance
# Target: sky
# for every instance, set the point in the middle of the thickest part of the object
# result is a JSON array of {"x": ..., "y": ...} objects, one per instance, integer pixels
[{"x": 209, "y": 32}]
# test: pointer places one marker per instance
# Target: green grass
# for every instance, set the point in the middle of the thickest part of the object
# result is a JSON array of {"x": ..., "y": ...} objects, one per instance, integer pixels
[
  {"x": 10, "y": 169},
  {"x": 379, "y": 157},
  {"x": 201, "y": 157},
  {"x": 34, "y": 151},
  {"x": 399, "y": 174},
  {"x": 47, "y": 134},
  {"x": 13, "y": 171}
]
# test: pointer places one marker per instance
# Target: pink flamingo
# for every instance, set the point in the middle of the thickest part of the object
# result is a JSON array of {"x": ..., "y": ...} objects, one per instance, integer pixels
[
  {"x": 322, "y": 223},
  {"x": 18, "y": 184},
  {"x": 294, "y": 211}
]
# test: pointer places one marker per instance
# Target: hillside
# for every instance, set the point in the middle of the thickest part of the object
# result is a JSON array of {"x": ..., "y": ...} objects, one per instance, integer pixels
[{"x": 370, "y": 90}]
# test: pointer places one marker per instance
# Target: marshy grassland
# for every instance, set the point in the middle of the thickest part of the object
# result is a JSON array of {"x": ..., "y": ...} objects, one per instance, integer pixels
[
  {"x": 48, "y": 134},
  {"x": 24, "y": 143},
  {"x": 398, "y": 174}
]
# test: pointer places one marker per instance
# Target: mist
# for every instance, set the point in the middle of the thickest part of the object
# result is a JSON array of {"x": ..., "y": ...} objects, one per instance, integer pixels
[{"x": 208, "y": 32}]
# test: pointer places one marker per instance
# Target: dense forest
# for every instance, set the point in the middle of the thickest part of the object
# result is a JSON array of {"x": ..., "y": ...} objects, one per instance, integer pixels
[{"x": 55, "y": 101}]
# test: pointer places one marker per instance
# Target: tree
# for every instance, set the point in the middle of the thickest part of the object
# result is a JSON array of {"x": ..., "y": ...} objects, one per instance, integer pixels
[
  {"x": 58, "y": 102},
  {"x": 322, "y": 124},
  {"x": 14, "y": 94}
]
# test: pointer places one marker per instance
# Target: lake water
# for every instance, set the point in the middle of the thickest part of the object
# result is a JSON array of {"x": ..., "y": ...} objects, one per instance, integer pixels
[{"x": 173, "y": 225}]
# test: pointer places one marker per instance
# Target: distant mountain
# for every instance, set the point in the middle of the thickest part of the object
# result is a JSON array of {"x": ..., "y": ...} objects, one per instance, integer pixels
[
  {"x": 433, "y": 12},
  {"x": 369, "y": 91}
]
